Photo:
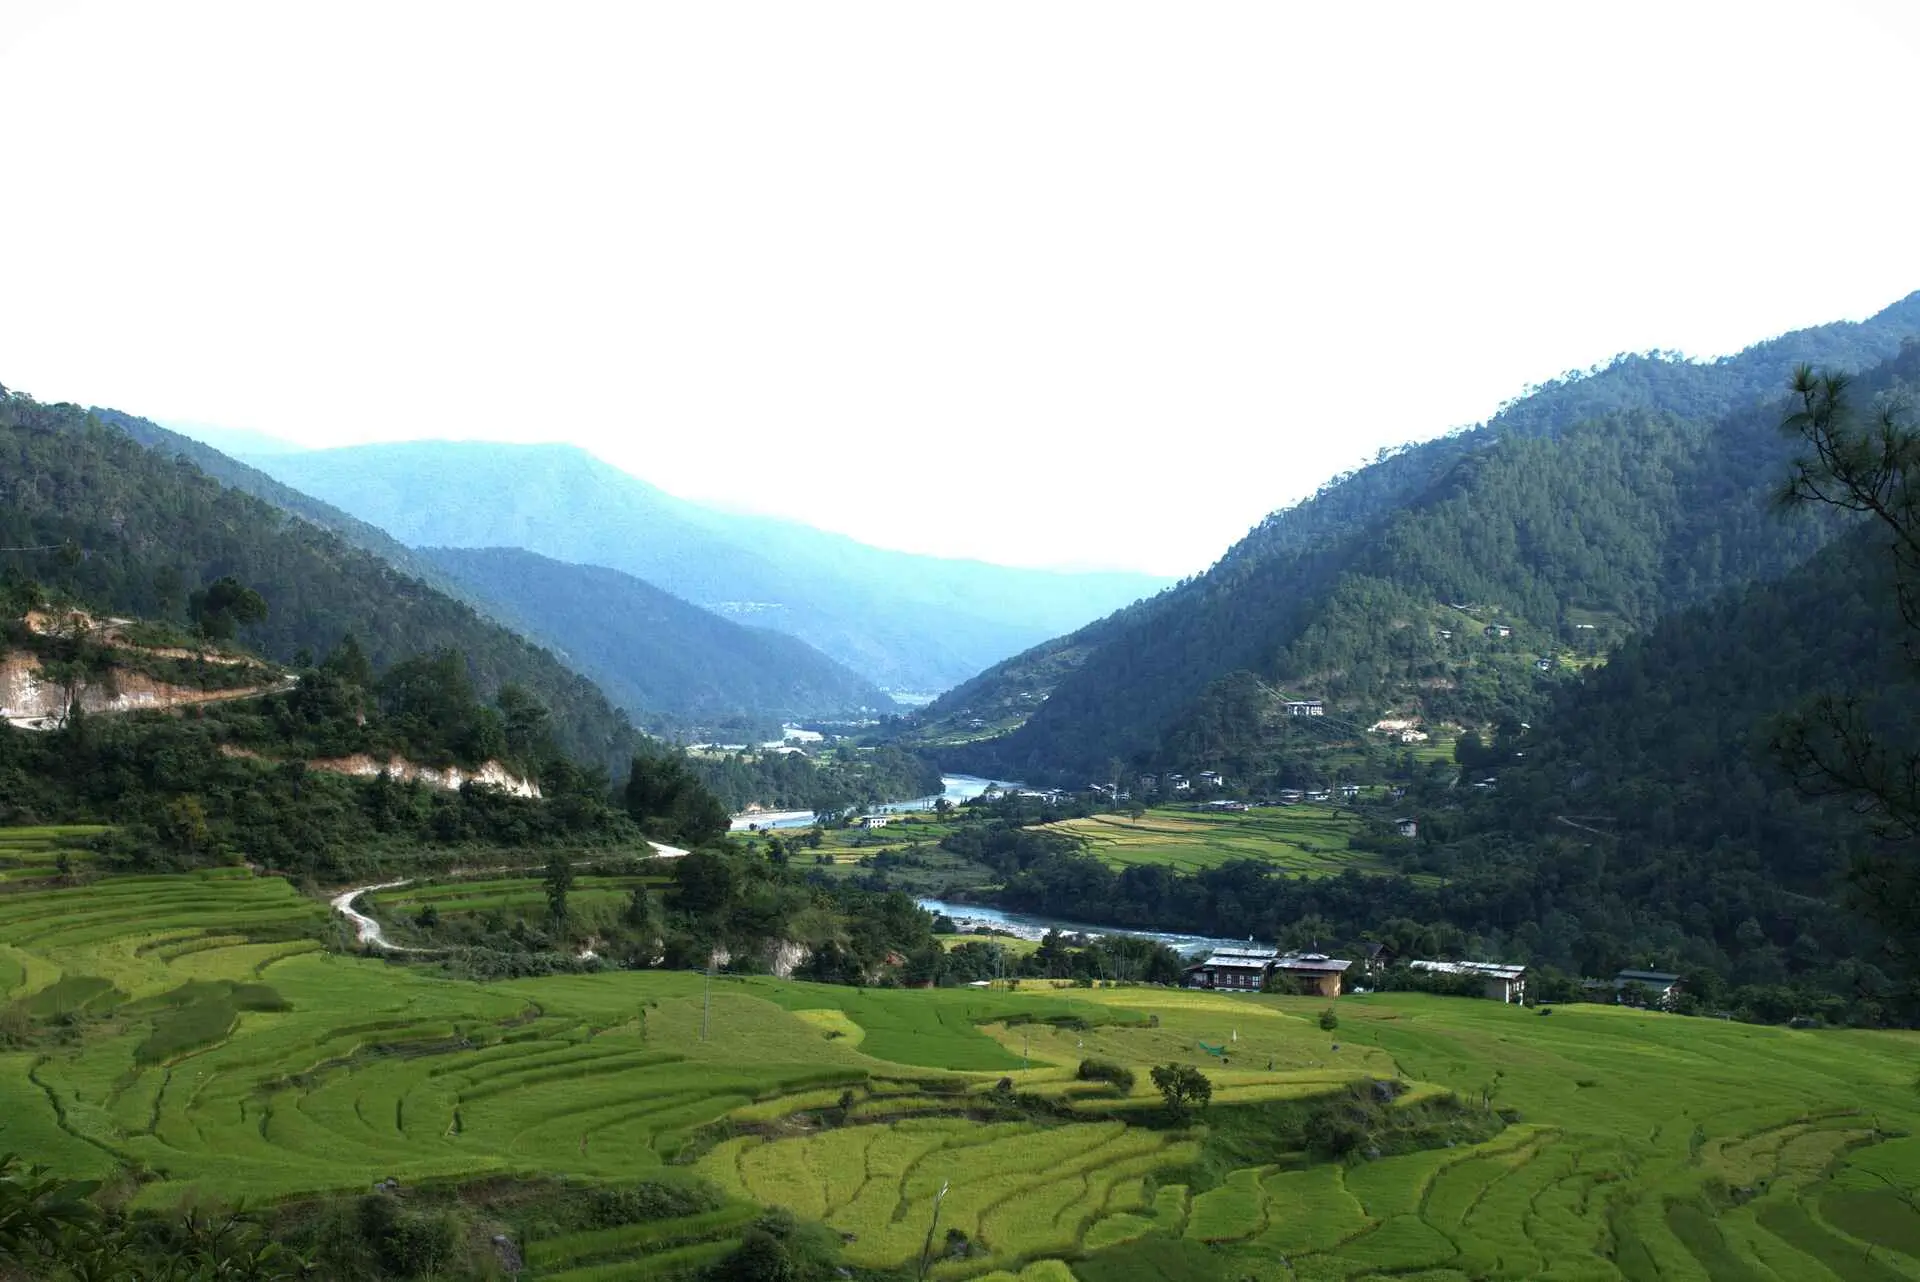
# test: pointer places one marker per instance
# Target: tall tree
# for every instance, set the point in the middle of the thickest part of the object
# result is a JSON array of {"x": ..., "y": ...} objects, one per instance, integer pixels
[{"x": 1847, "y": 745}]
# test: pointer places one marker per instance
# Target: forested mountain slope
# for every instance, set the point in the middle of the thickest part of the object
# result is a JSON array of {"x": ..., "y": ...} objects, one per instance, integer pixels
[
  {"x": 905, "y": 622},
  {"x": 94, "y": 514},
  {"x": 1572, "y": 518},
  {"x": 251, "y": 480},
  {"x": 1654, "y": 781},
  {"x": 654, "y": 654}
]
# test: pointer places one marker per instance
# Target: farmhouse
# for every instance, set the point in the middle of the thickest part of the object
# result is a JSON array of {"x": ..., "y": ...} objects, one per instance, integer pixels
[
  {"x": 1407, "y": 827},
  {"x": 1661, "y": 986},
  {"x": 1305, "y": 708},
  {"x": 1375, "y": 957},
  {"x": 1501, "y": 982},
  {"x": 1498, "y": 630},
  {"x": 1178, "y": 783},
  {"x": 1291, "y": 796},
  {"x": 1314, "y": 972},
  {"x": 1349, "y": 791},
  {"x": 875, "y": 821},
  {"x": 1413, "y": 736},
  {"x": 1235, "y": 969},
  {"x": 1319, "y": 794},
  {"x": 1544, "y": 664},
  {"x": 1212, "y": 779}
]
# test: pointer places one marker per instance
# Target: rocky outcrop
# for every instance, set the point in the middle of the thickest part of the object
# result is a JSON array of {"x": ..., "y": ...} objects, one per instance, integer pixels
[
  {"x": 362, "y": 765},
  {"x": 31, "y": 702}
]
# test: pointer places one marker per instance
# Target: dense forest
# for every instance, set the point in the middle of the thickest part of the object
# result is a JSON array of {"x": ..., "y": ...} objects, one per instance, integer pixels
[
  {"x": 93, "y": 513},
  {"x": 1605, "y": 499},
  {"x": 665, "y": 661}
]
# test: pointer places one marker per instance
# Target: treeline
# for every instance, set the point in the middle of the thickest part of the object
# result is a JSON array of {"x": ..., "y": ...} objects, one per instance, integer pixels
[{"x": 831, "y": 782}]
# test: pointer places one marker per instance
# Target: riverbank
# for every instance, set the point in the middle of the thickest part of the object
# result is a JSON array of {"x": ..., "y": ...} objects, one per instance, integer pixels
[
  {"x": 955, "y": 789},
  {"x": 968, "y": 917}
]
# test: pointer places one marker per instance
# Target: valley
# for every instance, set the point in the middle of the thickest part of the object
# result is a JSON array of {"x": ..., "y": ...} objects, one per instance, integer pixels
[{"x": 1461, "y": 879}]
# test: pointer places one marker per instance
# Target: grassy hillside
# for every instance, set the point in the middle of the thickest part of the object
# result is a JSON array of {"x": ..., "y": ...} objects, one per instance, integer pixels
[
  {"x": 654, "y": 654},
  {"x": 135, "y": 532},
  {"x": 905, "y": 622},
  {"x": 212, "y": 1040},
  {"x": 1619, "y": 495}
]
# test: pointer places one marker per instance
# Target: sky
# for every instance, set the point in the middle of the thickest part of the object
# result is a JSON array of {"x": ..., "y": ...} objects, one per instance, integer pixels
[{"x": 1077, "y": 284}]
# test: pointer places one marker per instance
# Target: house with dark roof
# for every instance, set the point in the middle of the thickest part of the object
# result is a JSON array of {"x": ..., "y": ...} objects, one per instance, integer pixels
[
  {"x": 1660, "y": 986},
  {"x": 1240, "y": 970}
]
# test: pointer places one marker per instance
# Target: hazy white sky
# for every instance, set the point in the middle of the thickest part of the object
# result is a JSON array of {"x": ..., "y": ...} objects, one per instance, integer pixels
[{"x": 1048, "y": 283}]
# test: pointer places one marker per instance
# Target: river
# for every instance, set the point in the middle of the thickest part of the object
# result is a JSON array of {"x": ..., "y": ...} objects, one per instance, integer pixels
[
  {"x": 956, "y": 789},
  {"x": 1028, "y": 926}
]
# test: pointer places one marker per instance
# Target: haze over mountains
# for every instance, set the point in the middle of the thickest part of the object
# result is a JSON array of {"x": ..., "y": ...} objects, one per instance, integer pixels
[{"x": 904, "y": 622}]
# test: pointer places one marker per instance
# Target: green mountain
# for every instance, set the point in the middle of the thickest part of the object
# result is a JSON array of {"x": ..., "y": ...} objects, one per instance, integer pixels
[
  {"x": 907, "y": 623},
  {"x": 1451, "y": 583},
  {"x": 96, "y": 515},
  {"x": 654, "y": 654}
]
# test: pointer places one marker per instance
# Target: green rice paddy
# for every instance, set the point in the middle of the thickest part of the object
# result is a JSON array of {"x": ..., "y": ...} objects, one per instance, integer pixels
[
  {"x": 1307, "y": 839},
  {"x": 207, "y": 1040}
]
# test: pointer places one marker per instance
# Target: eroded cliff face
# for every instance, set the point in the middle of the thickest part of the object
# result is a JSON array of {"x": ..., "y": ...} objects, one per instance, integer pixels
[
  {"x": 29, "y": 701},
  {"x": 365, "y": 766}
]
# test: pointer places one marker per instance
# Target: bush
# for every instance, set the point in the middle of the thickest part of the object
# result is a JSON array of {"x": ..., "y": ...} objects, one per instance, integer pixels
[
  {"x": 648, "y": 1201},
  {"x": 1328, "y": 1020},
  {"x": 1105, "y": 1070}
]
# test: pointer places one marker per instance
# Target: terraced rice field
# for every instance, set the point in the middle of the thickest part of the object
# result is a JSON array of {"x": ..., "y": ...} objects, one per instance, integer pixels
[
  {"x": 32, "y": 854},
  {"x": 1310, "y": 840},
  {"x": 217, "y": 1045}
]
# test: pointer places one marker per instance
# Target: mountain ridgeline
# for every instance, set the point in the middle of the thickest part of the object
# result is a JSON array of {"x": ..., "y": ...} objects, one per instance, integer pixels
[
  {"x": 1456, "y": 581},
  {"x": 904, "y": 622},
  {"x": 98, "y": 517},
  {"x": 660, "y": 658}
]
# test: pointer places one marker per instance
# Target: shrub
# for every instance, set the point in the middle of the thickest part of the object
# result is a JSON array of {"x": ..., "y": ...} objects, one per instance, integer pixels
[
  {"x": 1105, "y": 1070},
  {"x": 1328, "y": 1020},
  {"x": 1182, "y": 1086}
]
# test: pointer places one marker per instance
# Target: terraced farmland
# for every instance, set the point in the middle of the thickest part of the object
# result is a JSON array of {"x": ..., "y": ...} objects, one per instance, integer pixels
[
  {"x": 1311, "y": 840},
  {"x": 216, "y": 1044},
  {"x": 30, "y": 854}
]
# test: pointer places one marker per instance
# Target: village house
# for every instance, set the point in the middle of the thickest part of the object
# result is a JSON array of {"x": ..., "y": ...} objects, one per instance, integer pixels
[
  {"x": 1375, "y": 957},
  {"x": 1177, "y": 783},
  {"x": 1661, "y": 986},
  {"x": 1407, "y": 827},
  {"x": 1544, "y": 664},
  {"x": 1413, "y": 736},
  {"x": 1305, "y": 708},
  {"x": 1500, "y": 982},
  {"x": 1291, "y": 796},
  {"x": 1148, "y": 783},
  {"x": 1498, "y": 630},
  {"x": 1242, "y": 970},
  {"x": 1211, "y": 779},
  {"x": 1319, "y": 794},
  {"x": 1349, "y": 791},
  {"x": 1314, "y": 973},
  {"x": 875, "y": 821}
]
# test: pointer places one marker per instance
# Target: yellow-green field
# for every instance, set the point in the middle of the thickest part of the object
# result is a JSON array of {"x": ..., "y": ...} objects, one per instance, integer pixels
[
  {"x": 210, "y": 1041},
  {"x": 1308, "y": 839}
]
